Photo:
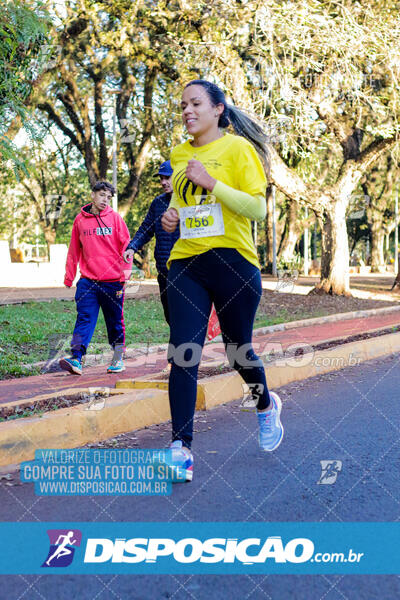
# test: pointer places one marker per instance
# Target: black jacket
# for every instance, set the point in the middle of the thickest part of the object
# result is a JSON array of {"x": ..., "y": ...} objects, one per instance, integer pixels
[{"x": 152, "y": 226}]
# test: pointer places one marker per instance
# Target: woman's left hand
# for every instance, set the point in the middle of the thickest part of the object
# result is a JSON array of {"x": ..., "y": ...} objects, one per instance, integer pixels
[{"x": 196, "y": 172}]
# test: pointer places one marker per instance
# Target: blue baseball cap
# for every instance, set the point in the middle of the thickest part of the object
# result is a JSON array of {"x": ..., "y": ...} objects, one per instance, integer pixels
[{"x": 165, "y": 169}]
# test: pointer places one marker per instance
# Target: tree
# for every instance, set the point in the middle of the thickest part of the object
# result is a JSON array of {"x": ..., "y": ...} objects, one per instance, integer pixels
[
  {"x": 291, "y": 233},
  {"x": 322, "y": 76},
  {"x": 145, "y": 51},
  {"x": 378, "y": 187},
  {"x": 330, "y": 72},
  {"x": 135, "y": 49},
  {"x": 23, "y": 34},
  {"x": 54, "y": 180},
  {"x": 101, "y": 52}
]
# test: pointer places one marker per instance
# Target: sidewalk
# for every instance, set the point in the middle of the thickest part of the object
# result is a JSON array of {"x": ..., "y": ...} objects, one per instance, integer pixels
[
  {"x": 376, "y": 286},
  {"x": 144, "y": 365}
]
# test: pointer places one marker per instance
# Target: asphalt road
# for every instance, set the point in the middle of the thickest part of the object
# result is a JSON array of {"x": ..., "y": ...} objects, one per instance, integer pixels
[{"x": 351, "y": 415}]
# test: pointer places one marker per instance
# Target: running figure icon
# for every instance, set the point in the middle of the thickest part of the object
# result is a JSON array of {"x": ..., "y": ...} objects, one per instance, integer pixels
[
  {"x": 62, "y": 543},
  {"x": 329, "y": 471}
]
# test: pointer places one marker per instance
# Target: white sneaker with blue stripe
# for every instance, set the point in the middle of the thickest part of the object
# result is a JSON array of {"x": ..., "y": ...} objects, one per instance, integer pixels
[
  {"x": 71, "y": 364},
  {"x": 180, "y": 461},
  {"x": 270, "y": 426},
  {"x": 117, "y": 366}
]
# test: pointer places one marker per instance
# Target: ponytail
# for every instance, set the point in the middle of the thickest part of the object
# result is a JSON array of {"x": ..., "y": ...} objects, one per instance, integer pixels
[
  {"x": 249, "y": 128},
  {"x": 242, "y": 124}
]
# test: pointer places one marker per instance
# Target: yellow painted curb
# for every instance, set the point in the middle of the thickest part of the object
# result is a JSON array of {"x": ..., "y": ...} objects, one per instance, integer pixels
[
  {"x": 333, "y": 359},
  {"x": 147, "y": 382},
  {"x": 79, "y": 425},
  {"x": 141, "y": 384}
]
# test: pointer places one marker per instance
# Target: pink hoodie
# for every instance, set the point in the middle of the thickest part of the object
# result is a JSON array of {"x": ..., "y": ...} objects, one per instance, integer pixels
[{"x": 97, "y": 244}]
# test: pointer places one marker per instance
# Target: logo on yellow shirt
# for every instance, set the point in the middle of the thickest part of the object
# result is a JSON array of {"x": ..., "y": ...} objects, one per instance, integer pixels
[{"x": 188, "y": 190}]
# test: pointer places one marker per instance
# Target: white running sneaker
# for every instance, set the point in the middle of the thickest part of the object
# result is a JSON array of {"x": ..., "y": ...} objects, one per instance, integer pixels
[
  {"x": 271, "y": 429},
  {"x": 179, "y": 459},
  {"x": 181, "y": 462}
]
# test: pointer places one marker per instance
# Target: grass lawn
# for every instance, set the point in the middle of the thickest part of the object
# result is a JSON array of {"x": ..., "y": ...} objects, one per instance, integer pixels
[{"x": 29, "y": 331}]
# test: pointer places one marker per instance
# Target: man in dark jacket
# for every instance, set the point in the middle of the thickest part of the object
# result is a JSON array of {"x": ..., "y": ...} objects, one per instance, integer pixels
[{"x": 150, "y": 226}]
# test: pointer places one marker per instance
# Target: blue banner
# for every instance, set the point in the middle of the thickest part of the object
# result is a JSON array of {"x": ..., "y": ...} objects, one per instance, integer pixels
[{"x": 214, "y": 548}]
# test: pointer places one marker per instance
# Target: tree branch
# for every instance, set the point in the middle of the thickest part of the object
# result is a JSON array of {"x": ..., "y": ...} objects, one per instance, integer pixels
[
  {"x": 56, "y": 119},
  {"x": 292, "y": 185},
  {"x": 34, "y": 200},
  {"x": 137, "y": 163},
  {"x": 99, "y": 127},
  {"x": 69, "y": 107},
  {"x": 337, "y": 126},
  {"x": 353, "y": 170}
]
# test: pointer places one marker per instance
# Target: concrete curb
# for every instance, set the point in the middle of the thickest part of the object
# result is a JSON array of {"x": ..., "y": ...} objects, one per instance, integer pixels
[
  {"x": 131, "y": 407},
  {"x": 60, "y": 394},
  {"x": 225, "y": 388},
  {"x": 79, "y": 425}
]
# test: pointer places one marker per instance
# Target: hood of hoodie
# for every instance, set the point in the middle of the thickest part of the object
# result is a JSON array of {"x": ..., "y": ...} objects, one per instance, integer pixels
[{"x": 85, "y": 211}]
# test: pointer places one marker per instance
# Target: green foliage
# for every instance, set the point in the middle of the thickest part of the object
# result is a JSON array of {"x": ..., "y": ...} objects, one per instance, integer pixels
[
  {"x": 23, "y": 32},
  {"x": 315, "y": 57},
  {"x": 294, "y": 264}
]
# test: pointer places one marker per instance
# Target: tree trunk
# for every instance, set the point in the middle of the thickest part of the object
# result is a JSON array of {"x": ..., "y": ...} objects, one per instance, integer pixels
[
  {"x": 291, "y": 233},
  {"x": 128, "y": 194},
  {"x": 268, "y": 232},
  {"x": 335, "y": 253},
  {"x": 396, "y": 284},
  {"x": 131, "y": 189},
  {"x": 143, "y": 263},
  {"x": 146, "y": 262},
  {"x": 378, "y": 238},
  {"x": 50, "y": 237}
]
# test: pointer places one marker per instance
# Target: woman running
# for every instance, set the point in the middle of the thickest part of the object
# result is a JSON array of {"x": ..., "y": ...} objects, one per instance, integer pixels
[{"x": 219, "y": 186}]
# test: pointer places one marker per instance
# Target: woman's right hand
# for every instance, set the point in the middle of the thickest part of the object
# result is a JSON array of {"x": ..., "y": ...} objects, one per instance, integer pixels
[{"x": 170, "y": 220}]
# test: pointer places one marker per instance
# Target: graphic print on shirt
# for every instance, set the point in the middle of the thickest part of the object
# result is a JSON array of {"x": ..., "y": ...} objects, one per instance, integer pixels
[
  {"x": 104, "y": 230},
  {"x": 186, "y": 188},
  {"x": 98, "y": 231}
]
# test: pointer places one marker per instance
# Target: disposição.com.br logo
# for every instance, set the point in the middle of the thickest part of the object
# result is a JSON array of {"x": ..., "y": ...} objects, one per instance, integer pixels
[{"x": 62, "y": 547}]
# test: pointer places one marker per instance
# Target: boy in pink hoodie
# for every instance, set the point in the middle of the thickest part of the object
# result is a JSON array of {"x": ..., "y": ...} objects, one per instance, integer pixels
[{"x": 98, "y": 240}]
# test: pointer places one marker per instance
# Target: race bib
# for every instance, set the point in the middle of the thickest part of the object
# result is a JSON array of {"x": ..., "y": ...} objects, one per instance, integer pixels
[{"x": 202, "y": 220}]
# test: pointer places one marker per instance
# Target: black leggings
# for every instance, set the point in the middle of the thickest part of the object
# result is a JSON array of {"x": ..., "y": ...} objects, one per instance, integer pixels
[{"x": 224, "y": 277}]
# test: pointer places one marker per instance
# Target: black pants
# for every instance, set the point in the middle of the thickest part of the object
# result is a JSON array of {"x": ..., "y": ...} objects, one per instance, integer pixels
[
  {"x": 223, "y": 277},
  {"x": 162, "y": 282}
]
